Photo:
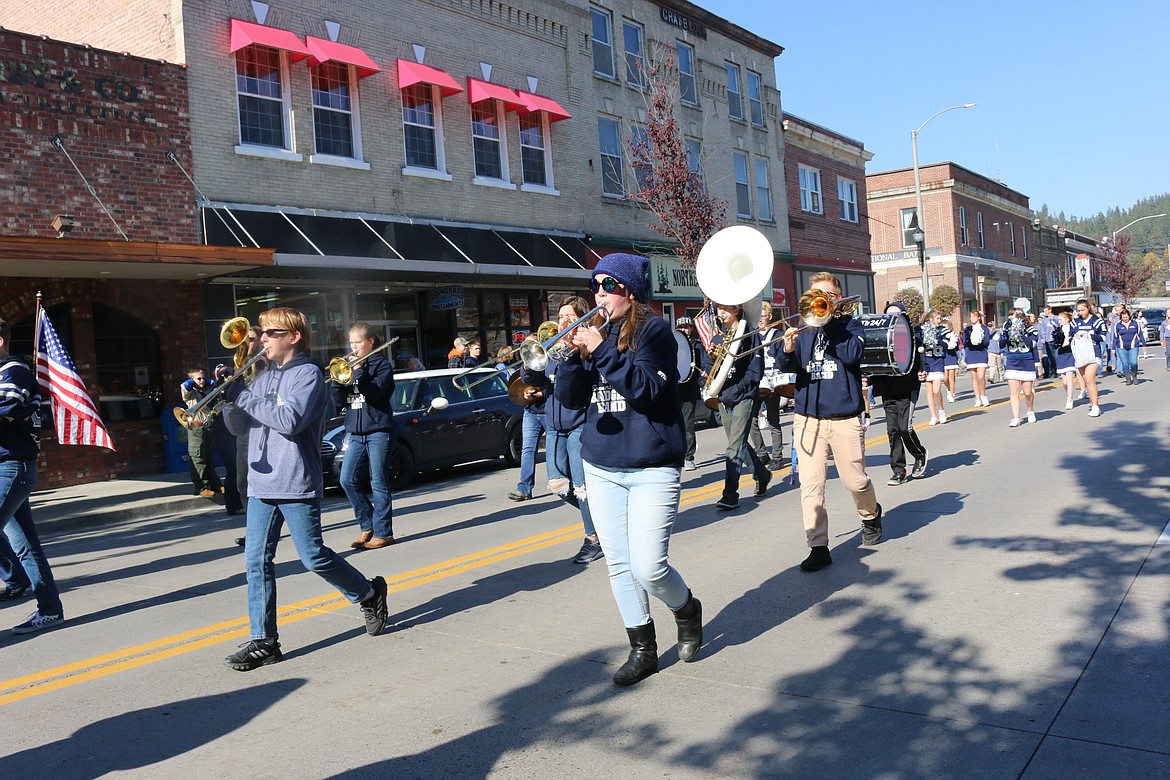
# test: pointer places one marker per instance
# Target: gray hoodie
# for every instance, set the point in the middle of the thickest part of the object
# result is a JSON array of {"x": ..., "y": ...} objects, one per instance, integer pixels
[{"x": 283, "y": 412}]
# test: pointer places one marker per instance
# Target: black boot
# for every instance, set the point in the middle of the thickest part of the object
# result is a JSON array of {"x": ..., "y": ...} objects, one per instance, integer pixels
[
  {"x": 643, "y": 660},
  {"x": 690, "y": 628}
]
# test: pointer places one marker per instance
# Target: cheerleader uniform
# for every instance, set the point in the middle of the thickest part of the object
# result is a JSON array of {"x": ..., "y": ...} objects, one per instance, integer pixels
[
  {"x": 1019, "y": 352},
  {"x": 1062, "y": 339},
  {"x": 1096, "y": 329},
  {"x": 976, "y": 353},
  {"x": 951, "y": 339},
  {"x": 935, "y": 342}
]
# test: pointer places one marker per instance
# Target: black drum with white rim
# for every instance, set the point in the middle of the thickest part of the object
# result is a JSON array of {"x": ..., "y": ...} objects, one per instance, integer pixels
[{"x": 889, "y": 344}]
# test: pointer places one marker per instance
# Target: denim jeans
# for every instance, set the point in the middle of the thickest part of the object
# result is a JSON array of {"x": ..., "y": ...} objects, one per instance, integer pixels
[
  {"x": 635, "y": 512},
  {"x": 1127, "y": 360},
  {"x": 562, "y": 460},
  {"x": 265, "y": 517},
  {"x": 737, "y": 421},
  {"x": 17, "y": 479},
  {"x": 11, "y": 572},
  {"x": 533, "y": 425},
  {"x": 373, "y": 509}
]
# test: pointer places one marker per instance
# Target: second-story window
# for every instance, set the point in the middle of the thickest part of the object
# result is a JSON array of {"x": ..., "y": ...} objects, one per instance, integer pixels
[
  {"x": 687, "y": 86},
  {"x": 743, "y": 187},
  {"x": 643, "y": 171},
  {"x": 810, "y": 190},
  {"x": 635, "y": 58},
  {"x": 1024, "y": 240},
  {"x": 756, "y": 98},
  {"x": 763, "y": 190},
  {"x": 334, "y": 111},
  {"x": 979, "y": 228},
  {"x": 963, "y": 225},
  {"x": 421, "y": 128},
  {"x": 734, "y": 96},
  {"x": 535, "y": 162},
  {"x": 909, "y": 227},
  {"x": 1012, "y": 234},
  {"x": 491, "y": 159},
  {"x": 847, "y": 195},
  {"x": 609, "y": 134},
  {"x": 695, "y": 162},
  {"x": 602, "y": 42},
  {"x": 261, "y": 97}
]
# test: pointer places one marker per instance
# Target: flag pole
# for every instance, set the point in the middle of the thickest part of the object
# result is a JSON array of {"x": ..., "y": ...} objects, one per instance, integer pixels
[{"x": 37, "y": 335}]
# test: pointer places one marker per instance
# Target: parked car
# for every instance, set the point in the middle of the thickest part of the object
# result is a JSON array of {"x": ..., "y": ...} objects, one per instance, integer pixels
[{"x": 440, "y": 424}]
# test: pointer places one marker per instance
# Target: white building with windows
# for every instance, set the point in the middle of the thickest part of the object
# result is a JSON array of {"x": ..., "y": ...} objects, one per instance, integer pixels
[{"x": 442, "y": 167}]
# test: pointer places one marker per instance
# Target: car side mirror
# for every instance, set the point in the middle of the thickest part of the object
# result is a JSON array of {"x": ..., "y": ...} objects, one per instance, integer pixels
[{"x": 438, "y": 405}]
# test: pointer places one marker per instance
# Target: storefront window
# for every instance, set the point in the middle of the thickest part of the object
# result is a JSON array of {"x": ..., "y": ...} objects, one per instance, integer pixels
[{"x": 128, "y": 366}]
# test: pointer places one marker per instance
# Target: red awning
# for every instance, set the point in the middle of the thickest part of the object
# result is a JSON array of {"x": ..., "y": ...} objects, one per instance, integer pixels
[
  {"x": 321, "y": 50},
  {"x": 248, "y": 33},
  {"x": 478, "y": 91},
  {"x": 533, "y": 102},
  {"x": 411, "y": 73}
]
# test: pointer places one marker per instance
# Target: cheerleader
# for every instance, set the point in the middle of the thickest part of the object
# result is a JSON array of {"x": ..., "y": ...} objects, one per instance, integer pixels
[
  {"x": 632, "y": 448},
  {"x": 977, "y": 337},
  {"x": 1066, "y": 367},
  {"x": 1088, "y": 328},
  {"x": 1018, "y": 340},
  {"x": 934, "y": 342},
  {"x": 951, "y": 364}
]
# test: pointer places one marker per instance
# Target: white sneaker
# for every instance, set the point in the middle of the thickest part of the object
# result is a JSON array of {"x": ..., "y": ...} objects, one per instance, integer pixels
[
  {"x": 689, "y": 466},
  {"x": 38, "y": 622},
  {"x": 1031, "y": 417},
  {"x": 1084, "y": 394},
  {"x": 985, "y": 401},
  {"x": 950, "y": 397},
  {"x": 942, "y": 417},
  {"x": 1095, "y": 411},
  {"x": 1068, "y": 404},
  {"x": 933, "y": 421},
  {"x": 1015, "y": 423}
]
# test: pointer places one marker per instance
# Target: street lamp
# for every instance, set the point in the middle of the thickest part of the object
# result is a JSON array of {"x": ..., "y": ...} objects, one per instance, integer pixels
[
  {"x": 920, "y": 241},
  {"x": 918, "y": 198},
  {"x": 1139, "y": 219}
]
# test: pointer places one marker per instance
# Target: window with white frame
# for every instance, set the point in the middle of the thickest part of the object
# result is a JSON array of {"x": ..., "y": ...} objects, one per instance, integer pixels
[
  {"x": 979, "y": 228},
  {"x": 963, "y": 226},
  {"x": 602, "y": 42},
  {"x": 1012, "y": 233},
  {"x": 687, "y": 86},
  {"x": 609, "y": 133},
  {"x": 643, "y": 174},
  {"x": 695, "y": 162},
  {"x": 756, "y": 98},
  {"x": 487, "y": 141},
  {"x": 909, "y": 227},
  {"x": 262, "y": 97},
  {"x": 1024, "y": 239},
  {"x": 734, "y": 96},
  {"x": 743, "y": 187},
  {"x": 635, "y": 39},
  {"x": 810, "y": 190},
  {"x": 763, "y": 190},
  {"x": 847, "y": 195},
  {"x": 422, "y": 128},
  {"x": 535, "y": 154},
  {"x": 335, "y": 129}
]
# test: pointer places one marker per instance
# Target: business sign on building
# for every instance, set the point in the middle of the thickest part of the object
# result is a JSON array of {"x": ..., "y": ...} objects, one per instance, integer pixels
[
  {"x": 1060, "y": 297},
  {"x": 671, "y": 281}
]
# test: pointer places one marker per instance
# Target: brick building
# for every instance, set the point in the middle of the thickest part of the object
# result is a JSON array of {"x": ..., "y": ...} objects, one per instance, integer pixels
[
  {"x": 979, "y": 237},
  {"x": 451, "y": 174},
  {"x": 826, "y": 184},
  {"x": 123, "y": 289}
]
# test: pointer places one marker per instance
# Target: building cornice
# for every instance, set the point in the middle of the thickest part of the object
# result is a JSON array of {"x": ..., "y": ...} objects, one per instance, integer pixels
[
  {"x": 967, "y": 190},
  {"x": 803, "y": 136}
]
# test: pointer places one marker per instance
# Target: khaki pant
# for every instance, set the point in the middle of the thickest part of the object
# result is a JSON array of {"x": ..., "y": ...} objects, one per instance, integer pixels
[{"x": 814, "y": 439}]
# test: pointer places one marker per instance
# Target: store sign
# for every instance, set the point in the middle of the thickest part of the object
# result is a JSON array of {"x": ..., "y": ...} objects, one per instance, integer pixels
[
  {"x": 444, "y": 298},
  {"x": 45, "y": 87},
  {"x": 671, "y": 281},
  {"x": 1064, "y": 296},
  {"x": 675, "y": 19}
]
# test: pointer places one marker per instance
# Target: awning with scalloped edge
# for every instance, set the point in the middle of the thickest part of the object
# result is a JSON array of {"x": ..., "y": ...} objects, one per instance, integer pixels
[
  {"x": 411, "y": 73},
  {"x": 248, "y": 33},
  {"x": 321, "y": 50}
]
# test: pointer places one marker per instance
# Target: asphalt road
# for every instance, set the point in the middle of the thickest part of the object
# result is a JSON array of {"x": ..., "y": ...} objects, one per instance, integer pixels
[{"x": 1012, "y": 624}]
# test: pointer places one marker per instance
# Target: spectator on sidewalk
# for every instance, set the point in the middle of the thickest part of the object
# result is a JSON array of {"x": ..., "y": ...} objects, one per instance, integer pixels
[
  {"x": 1164, "y": 337},
  {"x": 199, "y": 436},
  {"x": 457, "y": 357}
]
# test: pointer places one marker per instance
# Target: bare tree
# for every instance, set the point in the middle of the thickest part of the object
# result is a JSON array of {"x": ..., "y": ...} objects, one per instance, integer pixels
[
  {"x": 669, "y": 185},
  {"x": 1117, "y": 274}
]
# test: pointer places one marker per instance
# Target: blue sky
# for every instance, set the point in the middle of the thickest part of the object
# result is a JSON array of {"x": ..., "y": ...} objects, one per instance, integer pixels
[{"x": 1073, "y": 97}]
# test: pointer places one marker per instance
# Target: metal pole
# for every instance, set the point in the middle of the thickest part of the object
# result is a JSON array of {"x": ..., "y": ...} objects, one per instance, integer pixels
[{"x": 921, "y": 219}]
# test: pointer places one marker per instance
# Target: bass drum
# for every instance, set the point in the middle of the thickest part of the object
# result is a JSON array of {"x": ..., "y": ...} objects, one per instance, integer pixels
[
  {"x": 686, "y": 357},
  {"x": 889, "y": 344}
]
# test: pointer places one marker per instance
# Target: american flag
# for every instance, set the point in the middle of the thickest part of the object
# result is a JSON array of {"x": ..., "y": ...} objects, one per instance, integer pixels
[
  {"x": 705, "y": 324},
  {"x": 75, "y": 417}
]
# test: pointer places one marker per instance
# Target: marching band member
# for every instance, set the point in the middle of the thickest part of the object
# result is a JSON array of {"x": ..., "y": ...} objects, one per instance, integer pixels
[
  {"x": 736, "y": 406},
  {"x": 772, "y": 402},
  {"x": 899, "y": 397},
  {"x": 934, "y": 355},
  {"x": 1018, "y": 340},
  {"x": 632, "y": 447},
  {"x": 690, "y": 392},
  {"x": 1066, "y": 367},
  {"x": 976, "y": 337},
  {"x": 827, "y": 419},
  {"x": 1089, "y": 329}
]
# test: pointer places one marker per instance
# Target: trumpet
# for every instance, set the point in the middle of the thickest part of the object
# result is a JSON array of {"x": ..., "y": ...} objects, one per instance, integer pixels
[
  {"x": 201, "y": 413},
  {"x": 340, "y": 369},
  {"x": 535, "y": 355},
  {"x": 546, "y": 330}
]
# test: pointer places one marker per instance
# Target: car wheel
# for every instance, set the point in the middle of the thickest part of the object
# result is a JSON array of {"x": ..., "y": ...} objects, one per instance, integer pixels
[
  {"x": 401, "y": 468},
  {"x": 515, "y": 445}
]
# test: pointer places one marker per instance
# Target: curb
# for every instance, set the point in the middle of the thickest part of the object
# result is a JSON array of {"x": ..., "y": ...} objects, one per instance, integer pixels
[{"x": 106, "y": 517}]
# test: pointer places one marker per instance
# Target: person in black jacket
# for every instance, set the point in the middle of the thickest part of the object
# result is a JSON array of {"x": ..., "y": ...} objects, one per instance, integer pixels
[
  {"x": 737, "y": 400},
  {"x": 632, "y": 448},
  {"x": 690, "y": 391},
  {"x": 899, "y": 397},
  {"x": 827, "y": 418},
  {"x": 369, "y": 423}
]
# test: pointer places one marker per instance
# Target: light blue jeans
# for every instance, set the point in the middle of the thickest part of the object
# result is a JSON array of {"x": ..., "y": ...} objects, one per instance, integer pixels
[
  {"x": 532, "y": 426},
  {"x": 1127, "y": 360},
  {"x": 265, "y": 518},
  {"x": 634, "y": 512},
  {"x": 566, "y": 471},
  {"x": 373, "y": 509},
  {"x": 17, "y": 479}
]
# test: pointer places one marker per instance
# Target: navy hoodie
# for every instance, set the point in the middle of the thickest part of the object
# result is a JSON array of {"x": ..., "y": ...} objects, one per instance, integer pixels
[
  {"x": 556, "y": 415},
  {"x": 367, "y": 397},
  {"x": 827, "y": 364},
  {"x": 633, "y": 418},
  {"x": 20, "y": 406},
  {"x": 743, "y": 383}
]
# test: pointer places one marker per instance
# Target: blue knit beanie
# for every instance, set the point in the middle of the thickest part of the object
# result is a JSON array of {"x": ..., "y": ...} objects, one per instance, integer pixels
[{"x": 630, "y": 270}]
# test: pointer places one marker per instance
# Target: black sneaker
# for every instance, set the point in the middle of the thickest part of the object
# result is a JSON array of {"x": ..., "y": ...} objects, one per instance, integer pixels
[
  {"x": 590, "y": 551},
  {"x": 818, "y": 558},
  {"x": 254, "y": 654},
  {"x": 374, "y": 608},
  {"x": 899, "y": 478},
  {"x": 919, "y": 465},
  {"x": 762, "y": 484},
  {"x": 14, "y": 592},
  {"x": 775, "y": 464},
  {"x": 38, "y": 622},
  {"x": 727, "y": 503},
  {"x": 516, "y": 495},
  {"x": 871, "y": 530}
]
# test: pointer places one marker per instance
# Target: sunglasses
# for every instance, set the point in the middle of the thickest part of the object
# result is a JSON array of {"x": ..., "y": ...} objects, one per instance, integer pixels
[
  {"x": 273, "y": 333},
  {"x": 607, "y": 283}
]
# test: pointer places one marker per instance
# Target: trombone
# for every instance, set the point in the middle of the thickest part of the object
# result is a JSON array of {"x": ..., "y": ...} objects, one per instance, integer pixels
[
  {"x": 815, "y": 310},
  {"x": 535, "y": 355},
  {"x": 233, "y": 333},
  {"x": 340, "y": 369}
]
